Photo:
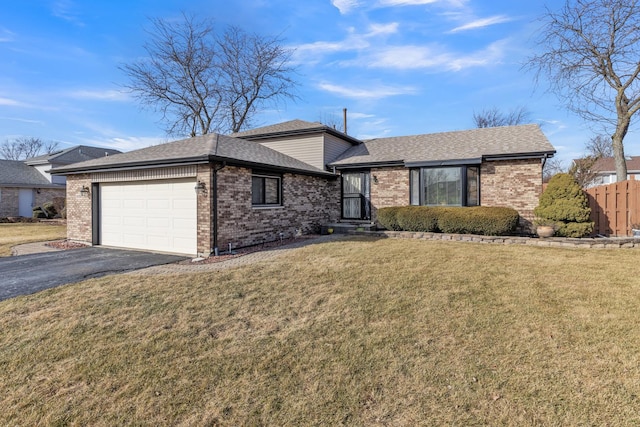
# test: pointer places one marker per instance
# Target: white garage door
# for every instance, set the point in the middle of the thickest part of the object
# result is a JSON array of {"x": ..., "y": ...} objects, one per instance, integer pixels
[{"x": 156, "y": 215}]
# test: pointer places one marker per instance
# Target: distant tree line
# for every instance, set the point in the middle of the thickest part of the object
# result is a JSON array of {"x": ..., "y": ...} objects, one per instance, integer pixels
[{"x": 25, "y": 147}]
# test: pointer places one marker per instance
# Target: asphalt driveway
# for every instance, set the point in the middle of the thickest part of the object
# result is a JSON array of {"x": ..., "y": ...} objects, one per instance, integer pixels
[{"x": 27, "y": 274}]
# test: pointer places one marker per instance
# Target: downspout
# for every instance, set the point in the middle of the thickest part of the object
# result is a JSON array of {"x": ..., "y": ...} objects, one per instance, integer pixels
[{"x": 215, "y": 207}]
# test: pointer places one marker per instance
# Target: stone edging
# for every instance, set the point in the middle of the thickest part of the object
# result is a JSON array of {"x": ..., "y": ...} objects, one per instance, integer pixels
[{"x": 586, "y": 243}]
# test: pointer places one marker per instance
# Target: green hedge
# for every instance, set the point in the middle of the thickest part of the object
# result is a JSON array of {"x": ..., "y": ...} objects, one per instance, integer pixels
[
  {"x": 387, "y": 217},
  {"x": 482, "y": 220}
]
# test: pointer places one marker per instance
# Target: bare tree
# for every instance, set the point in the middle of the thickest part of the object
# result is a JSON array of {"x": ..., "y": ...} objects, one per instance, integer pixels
[
  {"x": 203, "y": 82},
  {"x": 492, "y": 117},
  {"x": 599, "y": 146},
  {"x": 24, "y": 147},
  {"x": 590, "y": 54},
  {"x": 583, "y": 171},
  {"x": 552, "y": 167}
]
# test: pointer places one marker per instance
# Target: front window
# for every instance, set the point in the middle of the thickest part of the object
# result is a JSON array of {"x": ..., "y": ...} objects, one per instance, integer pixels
[
  {"x": 266, "y": 190},
  {"x": 445, "y": 186}
]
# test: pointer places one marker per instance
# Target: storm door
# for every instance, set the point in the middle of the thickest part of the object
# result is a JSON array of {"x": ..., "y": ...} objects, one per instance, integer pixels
[{"x": 355, "y": 196}]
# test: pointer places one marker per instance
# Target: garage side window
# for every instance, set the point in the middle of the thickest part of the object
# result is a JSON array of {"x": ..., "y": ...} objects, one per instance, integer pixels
[{"x": 266, "y": 189}]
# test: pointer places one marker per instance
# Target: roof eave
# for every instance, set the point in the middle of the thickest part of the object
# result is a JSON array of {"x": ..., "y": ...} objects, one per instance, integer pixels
[
  {"x": 520, "y": 156},
  {"x": 130, "y": 165},
  {"x": 268, "y": 167},
  {"x": 362, "y": 165}
]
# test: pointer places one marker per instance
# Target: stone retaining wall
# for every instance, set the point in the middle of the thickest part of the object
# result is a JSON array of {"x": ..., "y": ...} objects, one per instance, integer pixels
[{"x": 585, "y": 243}]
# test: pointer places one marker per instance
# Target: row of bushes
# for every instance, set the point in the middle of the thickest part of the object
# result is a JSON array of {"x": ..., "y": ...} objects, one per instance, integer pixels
[{"x": 482, "y": 220}]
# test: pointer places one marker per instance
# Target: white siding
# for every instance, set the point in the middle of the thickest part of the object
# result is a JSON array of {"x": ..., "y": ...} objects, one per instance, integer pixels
[{"x": 308, "y": 149}]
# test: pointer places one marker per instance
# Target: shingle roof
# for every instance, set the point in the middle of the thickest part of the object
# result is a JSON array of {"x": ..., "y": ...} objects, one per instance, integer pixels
[
  {"x": 198, "y": 149},
  {"x": 16, "y": 173},
  {"x": 459, "y": 146},
  {"x": 75, "y": 154},
  {"x": 607, "y": 164},
  {"x": 293, "y": 127}
]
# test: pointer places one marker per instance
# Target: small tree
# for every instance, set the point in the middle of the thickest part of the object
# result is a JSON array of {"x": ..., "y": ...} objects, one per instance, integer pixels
[{"x": 564, "y": 204}]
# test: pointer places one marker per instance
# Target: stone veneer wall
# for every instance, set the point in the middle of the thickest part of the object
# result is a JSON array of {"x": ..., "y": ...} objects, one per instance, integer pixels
[
  {"x": 78, "y": 209},
  {"x": 10, "y": 203},
  {"x": 513, "y": 183},
  {"x": 308, "y": 203},
  {"x": 392, "y": 188}
]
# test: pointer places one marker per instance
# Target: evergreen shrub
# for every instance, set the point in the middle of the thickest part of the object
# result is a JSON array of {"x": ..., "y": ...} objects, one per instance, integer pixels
[
  {"x": 387, "y": 217},
  {"x": 417, "y": 218},
  {"x": 482, "y": 220},
  {"x": 564, "y": 204}
]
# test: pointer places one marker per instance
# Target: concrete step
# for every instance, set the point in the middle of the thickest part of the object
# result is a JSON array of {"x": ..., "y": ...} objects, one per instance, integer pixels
[{"x": 346, "y": 227}]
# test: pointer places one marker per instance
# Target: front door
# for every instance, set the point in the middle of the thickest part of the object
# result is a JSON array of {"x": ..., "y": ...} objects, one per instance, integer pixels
[
  {"x": 25, "y": 202},
  {"x": 355, "y": 196}
]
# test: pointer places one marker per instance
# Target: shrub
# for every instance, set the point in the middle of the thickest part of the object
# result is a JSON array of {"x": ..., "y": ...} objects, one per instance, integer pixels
[
  {"x": 417, "y": 218},
  {"x": 49, "y": 209},
  {"x": 483, "y": 220},
  {"x": 490, "y": 221},
  {"x": 387, "y": 217},
  {"x": 565, "y": 204}
]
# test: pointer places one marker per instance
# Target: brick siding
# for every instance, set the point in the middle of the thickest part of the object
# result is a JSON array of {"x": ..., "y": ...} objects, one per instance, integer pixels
[
  {"x": 78, "y": 209},
  {"x": 514, "y": 183},
  {"x": 391, "y": 188},
  {"x": 308, "y": 202},
  {"x": 10, "y": 199},
  {"x": 9, "y": 203}
]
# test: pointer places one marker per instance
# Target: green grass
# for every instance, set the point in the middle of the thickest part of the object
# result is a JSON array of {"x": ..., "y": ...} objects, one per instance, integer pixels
[
  {"x": 19, "y": 233},
  {"x": 359, "y": 332}
]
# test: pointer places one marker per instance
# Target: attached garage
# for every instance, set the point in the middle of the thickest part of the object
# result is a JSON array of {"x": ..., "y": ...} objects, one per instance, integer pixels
[{"x": 159, "y": 215}]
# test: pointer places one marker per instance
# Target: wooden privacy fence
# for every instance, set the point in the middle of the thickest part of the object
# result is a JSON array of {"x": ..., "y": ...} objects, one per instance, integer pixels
[{"x": 615, "y": 207}]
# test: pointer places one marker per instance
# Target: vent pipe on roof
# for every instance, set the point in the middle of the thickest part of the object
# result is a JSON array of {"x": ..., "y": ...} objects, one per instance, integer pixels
[{"x": 344, "y": 118}]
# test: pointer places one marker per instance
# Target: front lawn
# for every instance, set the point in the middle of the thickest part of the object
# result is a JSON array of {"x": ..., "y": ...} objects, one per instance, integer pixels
[
  {"x": 19, "y": 233},
  {"x": 359, "y": 332}
]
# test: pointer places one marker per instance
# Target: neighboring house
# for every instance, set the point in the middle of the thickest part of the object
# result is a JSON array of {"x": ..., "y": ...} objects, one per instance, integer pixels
[
  {"x": 605, "y": 170},
  {"x": 28, "y": 183},
  {"x": 212, "y": 192}
]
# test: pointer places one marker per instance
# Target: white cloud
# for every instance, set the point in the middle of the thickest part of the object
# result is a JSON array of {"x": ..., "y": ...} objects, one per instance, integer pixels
[
  {"x": 373, "y": 92},
  {"x": 482, "y": 23},
  {"x": 66, "y": 9},
  {"x": 124, "y": 144},
  {"x": 10, "y": 102},
  {"x": 312, "y": 52},
  {"x": 345, "y": 6},
  {"x": 432, "y": 57},
  {"x": 6, "y": 35},
  {"x": 18, "y": 119},
  {"x": 102, "y": 95}
]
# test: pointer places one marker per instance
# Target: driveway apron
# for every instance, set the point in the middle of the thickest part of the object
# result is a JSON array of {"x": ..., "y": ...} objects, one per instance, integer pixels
[{"x": 27, "y": 274}]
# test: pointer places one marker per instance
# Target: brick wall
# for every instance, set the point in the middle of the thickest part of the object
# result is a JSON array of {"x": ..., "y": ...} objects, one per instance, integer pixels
[
  {"x": 78, "y": 209},
  {"x": 308, "y": 202},
  {"x": 204, "y": 214},
  {"x": 516, "y": 184},
  {"x": 9, "y": 201},
  {"x": 391, "y": 188}
]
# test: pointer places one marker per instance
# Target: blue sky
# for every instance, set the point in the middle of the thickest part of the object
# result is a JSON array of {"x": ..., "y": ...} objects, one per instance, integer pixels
[{"x": 401, "y": 67}]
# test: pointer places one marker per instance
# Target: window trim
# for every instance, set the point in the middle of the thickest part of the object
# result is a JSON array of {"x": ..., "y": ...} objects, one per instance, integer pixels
[
  {"x": 464, "y": 177},
  {"x": 264, "y": 176}
]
